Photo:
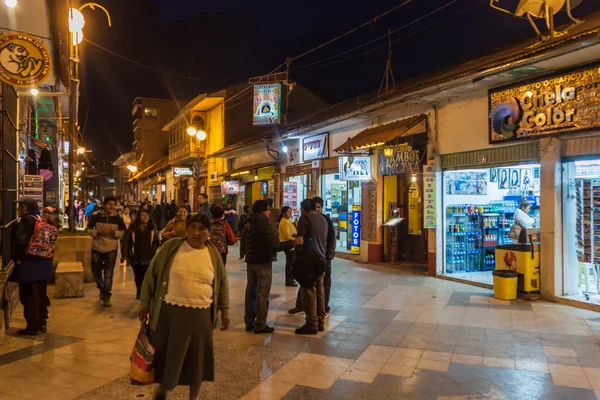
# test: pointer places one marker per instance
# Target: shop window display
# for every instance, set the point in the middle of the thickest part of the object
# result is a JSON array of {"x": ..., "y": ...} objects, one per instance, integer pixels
[
  {"x": 581, "y": 233},
  {"x": 339, "y": 197},
  {"x": 480, "y": 205},
  {"x": 294, "y": 191}
]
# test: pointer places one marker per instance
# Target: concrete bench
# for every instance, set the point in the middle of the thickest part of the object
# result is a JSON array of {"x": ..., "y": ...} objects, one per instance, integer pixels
[{"x": 69, "y": 280}]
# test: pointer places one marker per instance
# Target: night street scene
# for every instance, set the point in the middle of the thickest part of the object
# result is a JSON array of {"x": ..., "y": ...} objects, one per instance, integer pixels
[{"x": 302, "y": 200}]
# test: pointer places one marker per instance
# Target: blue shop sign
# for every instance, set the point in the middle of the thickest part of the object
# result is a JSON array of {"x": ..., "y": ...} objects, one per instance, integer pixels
[{"x": 355, "y": 230}]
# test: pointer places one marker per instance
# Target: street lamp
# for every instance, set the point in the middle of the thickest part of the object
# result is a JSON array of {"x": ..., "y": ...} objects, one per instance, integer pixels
[
  {"x": 10, "y": 3},
  {"x": 191, "y": 130},
  {"x": 132, "y": 168},
  {"x": 200, "y": 135},
  {"x": 80, "y": 150}
]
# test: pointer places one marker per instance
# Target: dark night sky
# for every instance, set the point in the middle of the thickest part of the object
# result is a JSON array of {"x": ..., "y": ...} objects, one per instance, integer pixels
[{"x": 220, "y": 43}]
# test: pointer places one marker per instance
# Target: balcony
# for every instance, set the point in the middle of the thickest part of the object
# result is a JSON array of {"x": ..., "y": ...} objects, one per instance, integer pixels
[{"x": 186, "y": 151}]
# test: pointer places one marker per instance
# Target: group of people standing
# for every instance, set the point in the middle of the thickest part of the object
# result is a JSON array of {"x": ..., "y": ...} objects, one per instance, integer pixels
[{"x": 309, "y": 248}]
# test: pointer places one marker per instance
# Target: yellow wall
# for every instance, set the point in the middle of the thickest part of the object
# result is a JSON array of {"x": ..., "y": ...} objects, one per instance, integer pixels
[
  {"x": 390, "y": 194},
  {"x": 215, "y": 141}
]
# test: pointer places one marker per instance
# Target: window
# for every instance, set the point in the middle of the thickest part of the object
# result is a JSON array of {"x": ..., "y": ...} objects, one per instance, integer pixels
[{"x": 150, "y": 112}]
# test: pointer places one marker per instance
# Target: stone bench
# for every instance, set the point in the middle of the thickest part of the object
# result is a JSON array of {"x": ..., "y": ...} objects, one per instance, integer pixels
[{"x": 69, "y": 280}]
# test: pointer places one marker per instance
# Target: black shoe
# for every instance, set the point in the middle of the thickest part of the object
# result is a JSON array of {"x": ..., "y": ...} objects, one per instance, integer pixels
[
  {"x": 293, "y": 284},
  {"x": 321, "y": 328},
  {"x": 305, "y": 330},
  {"x": 160, "y": 397},
  {"x": 249, "y": 328},
  {"x": 44, "y": 329},
  {"x": 266, "y": 329},
  {"x": 27, "y": 332},
  {"x": 295, "y": 310}
]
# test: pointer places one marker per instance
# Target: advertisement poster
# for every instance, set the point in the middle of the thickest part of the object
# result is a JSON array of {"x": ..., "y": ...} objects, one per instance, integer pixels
[
  {"x": 472, "y": 182},
  {"x": 290, "y": 195},
  {"x": 33, "y": 187},
  {"x": 230, "y": 187},
  {"x": 355, "y": 168},
  {"x": 267, "y": 104},
  {"x": 429, "y": 211},
  {"x": 355, "y": 230}
]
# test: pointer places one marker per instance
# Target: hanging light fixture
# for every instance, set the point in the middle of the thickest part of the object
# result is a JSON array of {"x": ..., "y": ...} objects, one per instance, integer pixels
[
  {"x": 388, "y": 151},
  {"x": 201, "y": 135},
  {"x": 191, "y": 130}
]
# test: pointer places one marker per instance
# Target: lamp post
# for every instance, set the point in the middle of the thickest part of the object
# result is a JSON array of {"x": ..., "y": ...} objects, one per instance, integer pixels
[
  {"x": 76, "y": 24},
  {"x": 196, "y": 128}
]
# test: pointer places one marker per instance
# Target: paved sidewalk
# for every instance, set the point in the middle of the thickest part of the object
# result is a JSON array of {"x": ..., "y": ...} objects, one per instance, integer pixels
[{"x": 390, "y": 335}]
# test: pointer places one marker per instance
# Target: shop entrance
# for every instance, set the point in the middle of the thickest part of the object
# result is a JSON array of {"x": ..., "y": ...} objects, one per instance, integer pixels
[
  {"x": 581, "y": 230},
  {"x": 480, "y": 206}
]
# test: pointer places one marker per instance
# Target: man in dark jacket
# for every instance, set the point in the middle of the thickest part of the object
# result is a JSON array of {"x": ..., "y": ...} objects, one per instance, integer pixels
[
  {"x": 106, "y": 228},
  {"x": 330, "y": 255},
  {"x": 31, "y": 272},
  {"x": 203, "y": 206},
  {"x": 261, "y": 241}
]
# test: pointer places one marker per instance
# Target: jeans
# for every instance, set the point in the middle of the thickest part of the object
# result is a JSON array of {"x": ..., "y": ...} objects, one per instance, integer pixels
[
  {"x": 313, "y": 302},
  {"x": 139, "y": 272},
  {"x": 35, "y": 304},
  {"x": 258, "y": 289},
  {"x": 326, "y": 289},
  {"x": 290, "y": 256},
  {"x": 104, "y": 263}
]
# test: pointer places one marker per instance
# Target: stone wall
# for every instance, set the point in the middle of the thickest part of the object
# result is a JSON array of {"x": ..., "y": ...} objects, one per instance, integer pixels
[{"x": 75, "y": 248}]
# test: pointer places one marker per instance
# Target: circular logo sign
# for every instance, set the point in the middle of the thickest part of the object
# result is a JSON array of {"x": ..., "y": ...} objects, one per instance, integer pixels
[{"x": 24, "y": 60}]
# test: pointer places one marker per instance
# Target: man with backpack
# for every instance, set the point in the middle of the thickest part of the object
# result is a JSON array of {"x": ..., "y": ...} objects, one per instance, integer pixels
[
  {"x": 34, "y": 242},
  {"x": 106, "y": 228}
]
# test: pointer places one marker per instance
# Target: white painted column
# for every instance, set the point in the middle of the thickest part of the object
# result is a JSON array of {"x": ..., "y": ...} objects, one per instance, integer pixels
[{"x": 551, "y": 218}]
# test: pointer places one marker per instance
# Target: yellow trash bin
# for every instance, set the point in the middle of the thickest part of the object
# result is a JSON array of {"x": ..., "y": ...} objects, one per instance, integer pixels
[{"x": 505, "y": 284}]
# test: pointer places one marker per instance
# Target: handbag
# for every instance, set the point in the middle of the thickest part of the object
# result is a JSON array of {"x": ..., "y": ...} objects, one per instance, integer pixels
[
  {"x": 142, "y": 359},
  {"x": 309, "y": 265}
]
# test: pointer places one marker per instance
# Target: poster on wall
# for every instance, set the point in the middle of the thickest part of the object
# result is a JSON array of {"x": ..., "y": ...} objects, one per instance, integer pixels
[
  {"x": 494, "y": 175},
  {"x": 515, "y": 179},
  {"x": 33, "y": 187},
  {"x": 354, "y": 168},
  {"x": 398, "y": 160},
  {"x": 355, "y": 230},
  {"x": 290, "y": 194},
  {"x": 564, "y": 103},
  {"x": 429, "y": 210},
  {"x": 466, "y": 182},
  {"x": 503, "y": 178},
  {"x": 267, "y": 104},
  {"x": 315, "y": 147}
]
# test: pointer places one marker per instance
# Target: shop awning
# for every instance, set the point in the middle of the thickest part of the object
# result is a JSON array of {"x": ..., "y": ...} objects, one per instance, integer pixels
[
  {"x": 249, "y": 169},
  {"x": 381, "y": 135}
]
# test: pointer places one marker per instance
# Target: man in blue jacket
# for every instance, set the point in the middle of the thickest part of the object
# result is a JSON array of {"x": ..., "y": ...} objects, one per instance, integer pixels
[{"x": 31, "y": 272}]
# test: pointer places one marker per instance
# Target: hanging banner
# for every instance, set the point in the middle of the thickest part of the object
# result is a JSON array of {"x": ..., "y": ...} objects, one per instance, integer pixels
[
  {"x": 267, "y": 104},
  {"x": 24, "y": 60},
  {"x": 398, "y": 160},
  {"x": 564, "y": 103},
  {"x": 315, "y": 147},
  {"x": 290, "y": 194},
  {"x": 33, "y": 187},
  {"x": 429, "y": 203},
  {"x": 355, "y": 168},
  {"x": 355, "y": 229}
]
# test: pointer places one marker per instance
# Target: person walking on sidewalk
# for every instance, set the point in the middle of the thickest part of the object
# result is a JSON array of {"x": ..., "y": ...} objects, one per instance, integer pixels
[
  {"x": 31, "y": 272},
  {"x": 170, "y": 231},
  {"x": 330, "y": 255},
  {"x": 287, "y": 232},
  {"x": 222, "y": 235},
  {"x": 106, "y": 228},
  {"x": 310, "y": 266},
  {"x": 183, "y": 291},
  {"x": 261, "y": 242},
  {"x": 140, "y": 243},
  {"x": 203, "y": 206}
]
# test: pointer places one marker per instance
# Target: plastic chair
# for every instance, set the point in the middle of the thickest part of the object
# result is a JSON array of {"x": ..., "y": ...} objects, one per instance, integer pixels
[{"x": 587, "y": 273}]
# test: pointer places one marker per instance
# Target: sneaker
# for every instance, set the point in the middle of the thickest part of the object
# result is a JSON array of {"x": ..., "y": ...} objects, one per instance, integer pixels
[
  {"x": 327, "y": 314},
  {"x": 305, "y": 330},
  {"x": 27, "y": 332},
  {"x": 107, "y": 303},
  {"x": 266, "y": 329},
  {"x": 295, "y": 310}
]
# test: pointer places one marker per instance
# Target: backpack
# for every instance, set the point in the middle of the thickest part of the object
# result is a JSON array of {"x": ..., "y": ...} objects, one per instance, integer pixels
[
  {"x": 219, "y": 235},
  {"x": 309, "y": 265},
  {"x": 43, "y": 240}
]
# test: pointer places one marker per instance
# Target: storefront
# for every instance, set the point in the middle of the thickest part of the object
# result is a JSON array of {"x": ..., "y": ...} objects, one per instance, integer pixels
[{"x": 296, "y": 187}]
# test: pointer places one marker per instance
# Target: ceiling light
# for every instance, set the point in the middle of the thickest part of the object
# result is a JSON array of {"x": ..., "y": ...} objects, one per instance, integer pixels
[
  {"x": 414, "y": 179},
  {"x": 10, "y": 3}
]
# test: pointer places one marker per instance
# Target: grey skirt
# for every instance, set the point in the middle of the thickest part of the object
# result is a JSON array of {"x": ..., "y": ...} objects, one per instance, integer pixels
[{"x": 184, "y": 347}]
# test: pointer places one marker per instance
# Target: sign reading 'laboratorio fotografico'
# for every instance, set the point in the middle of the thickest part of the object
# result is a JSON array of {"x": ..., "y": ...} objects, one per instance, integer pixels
[
  {"x": 24, "y": 60},
  {"x": 355, "y": 168},
  {"x": 267, "y": 104},
  {"x": 564, "y": 103},
  {"x": 355, "y": 230}
]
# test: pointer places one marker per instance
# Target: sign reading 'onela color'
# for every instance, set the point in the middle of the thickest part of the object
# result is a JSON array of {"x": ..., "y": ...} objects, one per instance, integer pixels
[
  {"x": 24, "y": 60},
  {"x": 564, "y": 103},
  {"x": 267, "y": 104}
]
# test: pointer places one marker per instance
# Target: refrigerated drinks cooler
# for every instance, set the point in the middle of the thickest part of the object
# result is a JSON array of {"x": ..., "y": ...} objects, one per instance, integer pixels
[{"x": 523, "y": 258}]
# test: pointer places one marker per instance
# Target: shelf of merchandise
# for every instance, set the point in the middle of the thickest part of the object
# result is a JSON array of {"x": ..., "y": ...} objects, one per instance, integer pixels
[{"x": 584, "y": 225}]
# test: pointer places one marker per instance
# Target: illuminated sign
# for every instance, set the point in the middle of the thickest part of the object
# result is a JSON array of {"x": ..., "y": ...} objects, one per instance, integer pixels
[
  {"x": 355, "y": 230},
  {"x": 230, "y": 187},
  {"x": 315, "y": 147},
  {"x": 355, "y": 168},
  {"x": 182, "y": 171},
  {"x": 564, "y": 103},
  {"x": 24, "y": 60},
  {"x": 267, "y": 104},
  {"x": 401, "y": 159}
]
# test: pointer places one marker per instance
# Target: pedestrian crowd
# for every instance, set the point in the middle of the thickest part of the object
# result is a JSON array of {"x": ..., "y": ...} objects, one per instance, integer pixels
[{"x": 178, "y": 259}]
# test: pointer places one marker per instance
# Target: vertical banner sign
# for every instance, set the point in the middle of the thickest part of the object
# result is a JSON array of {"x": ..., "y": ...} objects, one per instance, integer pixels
[
  {"x": 429, "y": 206},
  {"x": 267, "y": 104},
  {"x": 355, "y": 230},
  {"x": 33, "y": 187}
]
